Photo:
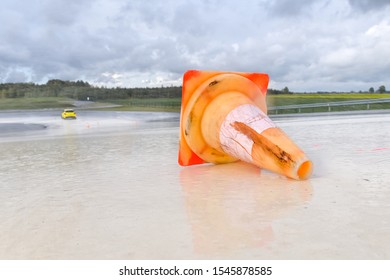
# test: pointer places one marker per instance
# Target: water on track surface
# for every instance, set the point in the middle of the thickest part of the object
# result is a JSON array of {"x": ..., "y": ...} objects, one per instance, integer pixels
[{"x": 107, "y": 186}]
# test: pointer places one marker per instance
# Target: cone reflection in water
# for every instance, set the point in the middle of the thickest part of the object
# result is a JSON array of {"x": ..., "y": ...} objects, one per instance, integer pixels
[
  {"x": 231, "y": 219},
  {"x": 224, "y": 119}
]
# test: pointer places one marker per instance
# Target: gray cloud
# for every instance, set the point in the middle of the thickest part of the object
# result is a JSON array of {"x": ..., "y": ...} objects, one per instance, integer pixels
[
  {"x": 310, "y": 45},
  {"x": 288, "y": 8},
  {"x": 367, "y": 5}
]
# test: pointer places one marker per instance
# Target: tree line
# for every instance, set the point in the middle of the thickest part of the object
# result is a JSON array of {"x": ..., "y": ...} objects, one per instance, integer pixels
[{"x": 81, "y": 90}]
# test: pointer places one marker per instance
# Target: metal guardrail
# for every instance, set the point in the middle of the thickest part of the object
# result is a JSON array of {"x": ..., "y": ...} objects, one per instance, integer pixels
[{"x": 330, "y": 104}]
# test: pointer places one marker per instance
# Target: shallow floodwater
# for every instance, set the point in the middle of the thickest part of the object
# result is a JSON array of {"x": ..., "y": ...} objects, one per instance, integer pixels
[{"x": 108, "y": 186}]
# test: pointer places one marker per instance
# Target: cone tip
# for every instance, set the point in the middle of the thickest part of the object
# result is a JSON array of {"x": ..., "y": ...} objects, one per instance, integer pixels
[{"x": 305, "y": 170}]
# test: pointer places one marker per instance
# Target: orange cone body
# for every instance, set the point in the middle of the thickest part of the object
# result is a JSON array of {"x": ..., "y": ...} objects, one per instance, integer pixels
[{"x": 224, "y": 119}]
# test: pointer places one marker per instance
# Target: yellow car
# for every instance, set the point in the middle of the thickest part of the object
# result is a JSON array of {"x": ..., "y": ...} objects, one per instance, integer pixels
[{"x": 68, "y": 114}]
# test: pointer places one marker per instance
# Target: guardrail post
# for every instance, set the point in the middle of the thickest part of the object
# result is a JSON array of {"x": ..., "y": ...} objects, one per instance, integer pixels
[
  {"x": 368, "y": 106},
  {"x": 328, "y": 108}
]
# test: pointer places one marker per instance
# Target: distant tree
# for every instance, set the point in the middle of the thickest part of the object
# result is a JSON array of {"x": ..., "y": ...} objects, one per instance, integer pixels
[
  {"x": 371, "y": 90},
  {"x": 382, "y": 89},
  {"x": 286, "y": 90},
  {"x": 273, "y": 91}
]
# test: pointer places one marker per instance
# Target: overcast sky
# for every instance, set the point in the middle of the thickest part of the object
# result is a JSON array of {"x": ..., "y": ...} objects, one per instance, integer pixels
[{"x": 306, "y": 45}]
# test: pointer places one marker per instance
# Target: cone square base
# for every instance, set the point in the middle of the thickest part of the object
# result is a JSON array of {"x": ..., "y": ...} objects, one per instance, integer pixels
[{"x": 192, "y": 81}]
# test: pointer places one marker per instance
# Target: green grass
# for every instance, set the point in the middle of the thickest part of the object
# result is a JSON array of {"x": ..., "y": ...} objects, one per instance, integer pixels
[
  {"x": 34, "y": 103},
  {"x": 296, "y": 99},
  {"x": 146, "y": 104}
]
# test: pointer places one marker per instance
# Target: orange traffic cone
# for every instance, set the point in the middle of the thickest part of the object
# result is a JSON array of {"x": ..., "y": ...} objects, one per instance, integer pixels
[{"x": 224, "y": 119}]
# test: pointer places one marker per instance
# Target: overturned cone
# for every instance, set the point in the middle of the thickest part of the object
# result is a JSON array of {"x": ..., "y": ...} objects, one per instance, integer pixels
[{"x": 224, "y": 119}]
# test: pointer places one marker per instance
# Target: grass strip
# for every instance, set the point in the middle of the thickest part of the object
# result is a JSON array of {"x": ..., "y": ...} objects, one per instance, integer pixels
[{"x": 32, "y": 103}]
